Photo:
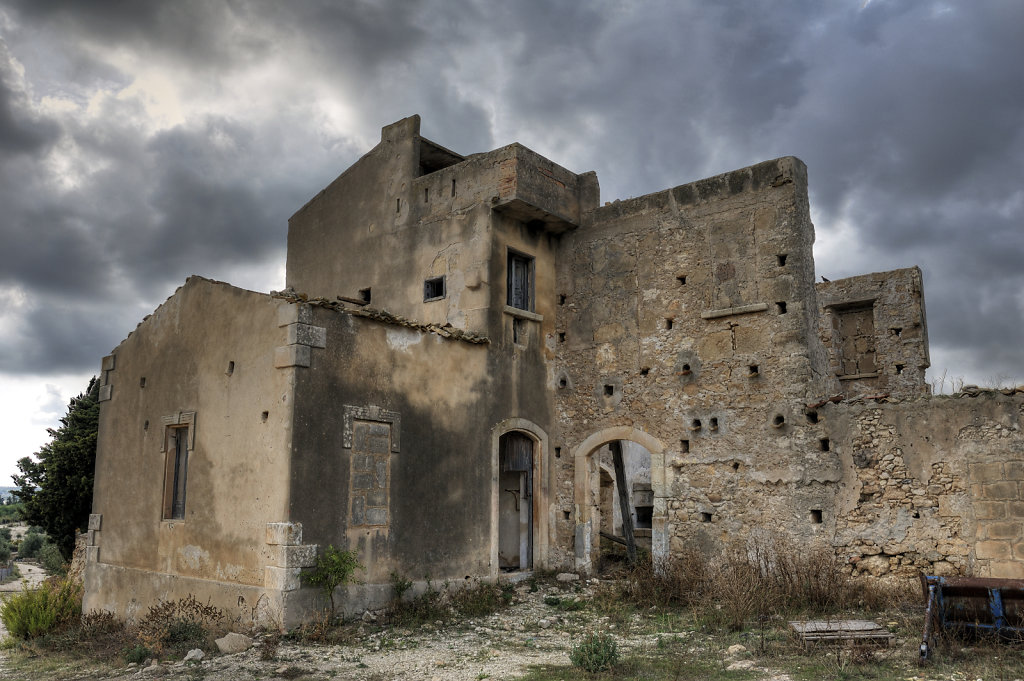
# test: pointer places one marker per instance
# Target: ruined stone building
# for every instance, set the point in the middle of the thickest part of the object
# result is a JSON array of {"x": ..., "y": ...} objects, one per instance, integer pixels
[{"x": 462, "y": 337}]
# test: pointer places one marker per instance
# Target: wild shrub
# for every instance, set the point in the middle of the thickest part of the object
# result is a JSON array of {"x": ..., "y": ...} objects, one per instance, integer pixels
[
  {"x": 400, "y": 584},
  {"x": 333, "y": 568},
  {"x": 34, "y": 612},
  {"x": 595, "y": 652},
  {"x": 429, "y": 606},
  {"x": 481, "y": 599},
  {"x": 51, "y": 559},
  {"x": 179, "y": 625},
  {"x": 30, "y": 544}
]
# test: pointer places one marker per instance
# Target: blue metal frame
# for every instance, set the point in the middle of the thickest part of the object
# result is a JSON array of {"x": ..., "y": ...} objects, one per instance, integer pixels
[{"x": 949, "y": 611}]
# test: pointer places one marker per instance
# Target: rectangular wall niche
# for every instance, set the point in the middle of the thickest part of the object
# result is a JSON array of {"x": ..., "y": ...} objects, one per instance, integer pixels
[
  {"x": 371, "y": 473},
  {"x": 372, "y": 434}
]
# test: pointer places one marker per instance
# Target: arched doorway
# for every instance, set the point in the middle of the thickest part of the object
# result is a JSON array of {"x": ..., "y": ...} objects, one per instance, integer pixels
[
  {"x": 519, "y": 492},
  {"x": 596, "y": 493}
]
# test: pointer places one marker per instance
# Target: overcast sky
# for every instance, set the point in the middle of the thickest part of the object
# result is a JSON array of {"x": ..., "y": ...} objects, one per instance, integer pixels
[{"x": 141, "y": 142}]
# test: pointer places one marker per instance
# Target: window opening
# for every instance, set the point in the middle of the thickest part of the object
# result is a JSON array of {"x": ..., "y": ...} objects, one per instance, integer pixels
[
  {"x": 681, "y": 279},
  {"x": 705, "y": 517},
  {"x": 781, "y": 259},
  {"x": 398, "y": 205},
  {"x": 264, "y": 416},
  {"x": 520, "y": 281},
  {"x": 558, "y": 452},
  {"x": 714, "y": 423},
  {"x": 669, "y": 323},
  {"x": 176, "y": 473},
  {"x": 426, "y": 194},
  {"x": 826, "y": 445},
  {"x": 142, "y": 382},
  {"x": 899, "y": 368},
  {"x": 781, "y": 307},
  {"x": 645, "y": 370},
  {"x": 364, "y": 295},
  {"x": 562, "y": 382},
  {"x": 812, "y": 417},
  {"x": 779, "y": 421},
  {"x": 816, "y": 516},
  {"x": 695, "y": 425},
  {"x": 685, "y": 446},
  {"x": 453, "y": 186},
  {"x": 753, "y": 370},
  {"x": 230, "y": 369},
  {"x": 561, "y": 299},
  {"x": 561, "y": 336},
  {"x": 609, "y": 390},
  {"x": 433, "y": 289}
]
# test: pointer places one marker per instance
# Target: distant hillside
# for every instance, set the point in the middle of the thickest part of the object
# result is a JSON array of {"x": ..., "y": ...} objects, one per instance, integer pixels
[{"x": 6, "y": 492}]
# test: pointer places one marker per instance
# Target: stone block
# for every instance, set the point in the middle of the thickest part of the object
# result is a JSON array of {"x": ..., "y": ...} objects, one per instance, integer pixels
[
  {"x": 296, "y": 556},
  {"x": 108, "y": 363},
  {"x": 294, "y": 313},
  {"x": 999, "y": 490},
  {"x": 993, "y": 550},
  {"x": 1003, "y": 530},
  {"x": 1015, "y": 509},
  {"x": 90, "y": 538},
  {"x": 286, "y": 534},
  {"x": 95, "y": 521},
  {"x": 1013, "y": 470},
  {"x": 1007, "y": 569},
  {"x": 986, "y": 472},
  {"x": 106, "y": 392},
  {"x": 715, "y": 346},
  {"x": 281, "y": 579},
  {"x": 92, "y": 554},
  {"x": 990, "y": 510},
  {"x": 292, "y": 356},
  {"x": 305, "y": 334}
]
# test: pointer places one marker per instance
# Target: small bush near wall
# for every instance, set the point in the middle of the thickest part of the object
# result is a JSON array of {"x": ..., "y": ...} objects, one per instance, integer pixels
[{"x": 33, "y": 613}]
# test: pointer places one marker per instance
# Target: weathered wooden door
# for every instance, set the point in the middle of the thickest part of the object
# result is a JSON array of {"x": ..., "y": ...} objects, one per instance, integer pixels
[{"x": 515, "y": 502}]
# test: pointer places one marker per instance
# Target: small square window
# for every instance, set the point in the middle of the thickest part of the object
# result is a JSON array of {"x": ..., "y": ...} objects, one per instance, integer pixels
[{"x": 433, "y": 289}]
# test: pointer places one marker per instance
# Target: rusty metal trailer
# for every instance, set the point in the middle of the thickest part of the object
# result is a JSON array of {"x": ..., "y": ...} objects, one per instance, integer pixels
[{"x": 974, "y": 605}]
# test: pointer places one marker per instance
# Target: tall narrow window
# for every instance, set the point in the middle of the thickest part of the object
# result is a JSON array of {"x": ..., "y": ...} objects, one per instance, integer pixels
[
  {"x": 520, "y": 281},
  {"x": 175, "y": 473}
]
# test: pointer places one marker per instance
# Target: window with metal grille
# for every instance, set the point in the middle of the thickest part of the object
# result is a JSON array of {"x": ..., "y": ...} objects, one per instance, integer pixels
[
  {"x": 175, "y": 473},
  {"x": 520, "y": 281}
]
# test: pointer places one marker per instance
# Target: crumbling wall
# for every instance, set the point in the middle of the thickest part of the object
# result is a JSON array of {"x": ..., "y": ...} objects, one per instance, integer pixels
[
  {"x": 934, "y": 485},
  {"x": 874, "y": 329},
  {"x": 690, "y": 315}
]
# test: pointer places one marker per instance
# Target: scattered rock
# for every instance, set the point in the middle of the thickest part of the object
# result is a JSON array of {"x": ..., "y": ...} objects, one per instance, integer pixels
[
  {"x": 544, "y": 624},
  {"x": 567, "y": 577},
  {"x": 740, "y": 665},
  {"x": 194, "y": 655},
  {"x": 233, "y": 643},
  {"x": 735, "y": 650}
]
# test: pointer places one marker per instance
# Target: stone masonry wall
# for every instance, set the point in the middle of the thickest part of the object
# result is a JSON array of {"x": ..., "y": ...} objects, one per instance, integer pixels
[{"x": 932, "y": 485}]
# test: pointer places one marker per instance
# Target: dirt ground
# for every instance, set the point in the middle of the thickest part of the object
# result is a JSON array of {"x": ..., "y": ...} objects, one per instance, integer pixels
[{"x": 499, "y": 646}]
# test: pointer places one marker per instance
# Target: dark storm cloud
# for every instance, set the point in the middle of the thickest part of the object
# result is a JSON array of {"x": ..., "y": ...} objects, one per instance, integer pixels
[{"x": 908, "y": 114}]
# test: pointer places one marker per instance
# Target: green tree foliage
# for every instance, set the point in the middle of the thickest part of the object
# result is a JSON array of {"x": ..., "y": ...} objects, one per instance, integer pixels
[{"x": 56, "y": 489}]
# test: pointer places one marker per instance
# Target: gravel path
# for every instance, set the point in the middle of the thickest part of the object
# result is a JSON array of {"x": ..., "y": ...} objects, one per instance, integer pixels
[{"x": 499, "y": 647}]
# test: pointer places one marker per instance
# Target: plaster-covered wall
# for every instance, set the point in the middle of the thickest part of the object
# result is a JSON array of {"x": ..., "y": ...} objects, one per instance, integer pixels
[{"x": 208, "y": 351}]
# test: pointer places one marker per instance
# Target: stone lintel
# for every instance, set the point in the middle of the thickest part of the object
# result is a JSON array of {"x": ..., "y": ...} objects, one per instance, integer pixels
[
  {"x": 730, "y": 311},
  {"x": 294, "y": 313},
  {"x": 292, "y": 356},
  {"x": 284, "y": 534},
  {"x": 306, "y": 334},
  {"x": 281, "y": 579},
  {"x": 296, "y": 556}
]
